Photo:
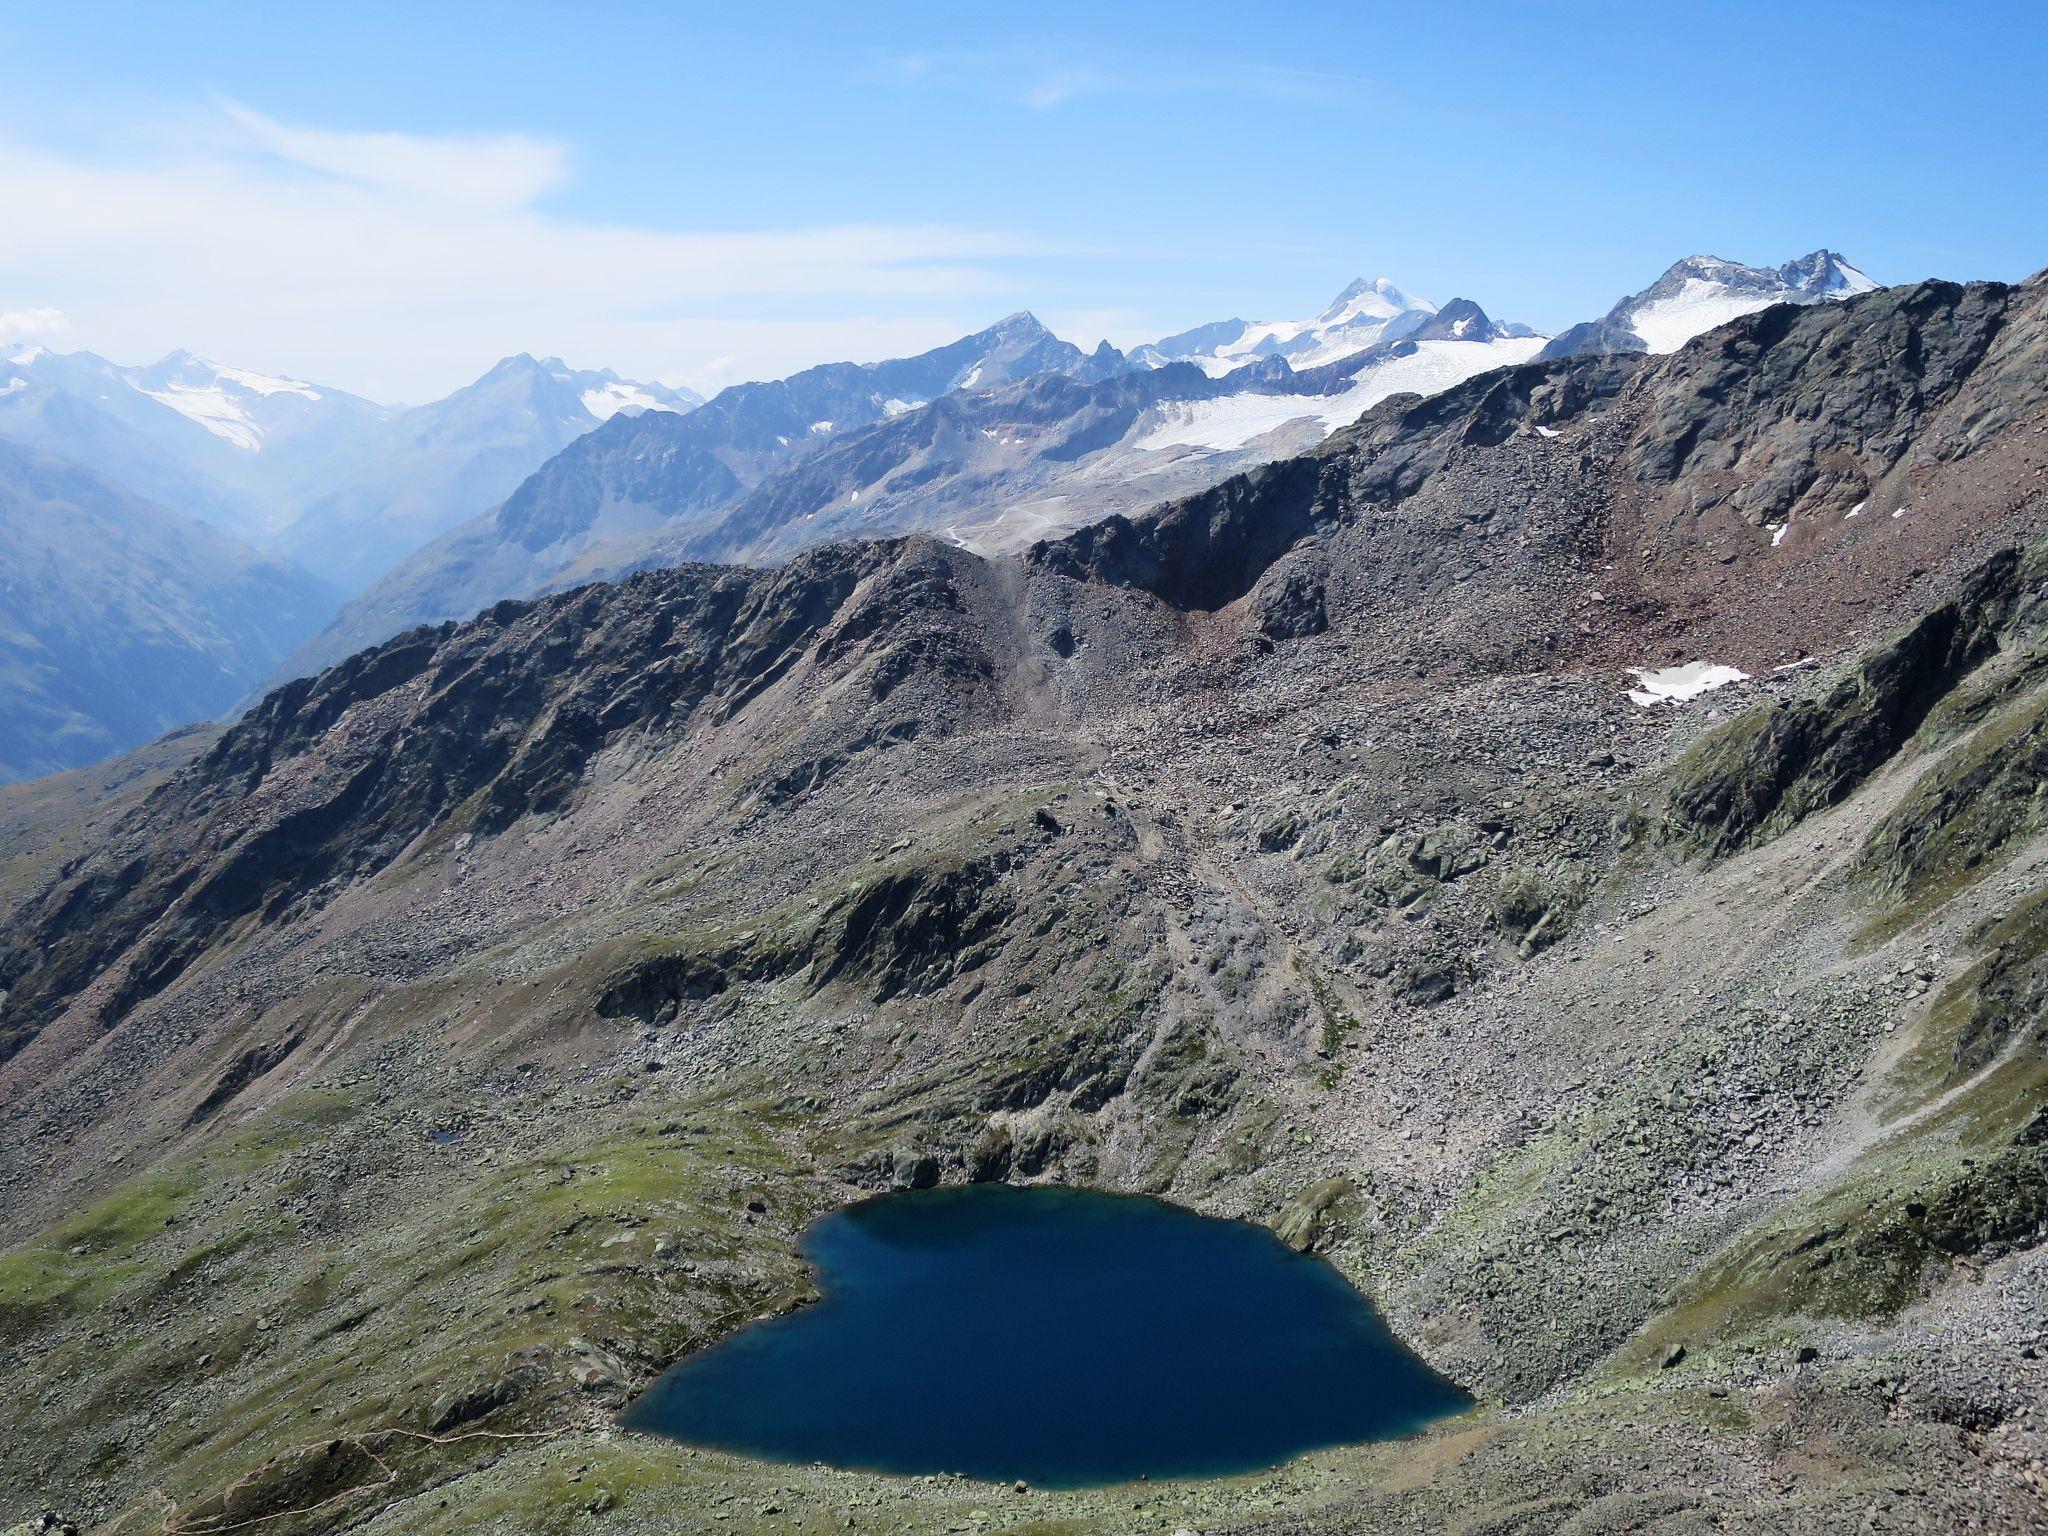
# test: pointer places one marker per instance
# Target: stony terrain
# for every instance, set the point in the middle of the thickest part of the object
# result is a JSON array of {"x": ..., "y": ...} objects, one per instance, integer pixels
[{"x": 400, "y": 1078}]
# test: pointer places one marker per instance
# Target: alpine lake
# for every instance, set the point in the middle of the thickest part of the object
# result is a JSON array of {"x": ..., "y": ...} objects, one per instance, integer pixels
[{"x": 1061, "y": 1337}]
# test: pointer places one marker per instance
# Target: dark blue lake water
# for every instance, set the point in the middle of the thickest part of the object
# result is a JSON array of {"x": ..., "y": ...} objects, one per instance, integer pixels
[{"x": 1065, "y": 1337}]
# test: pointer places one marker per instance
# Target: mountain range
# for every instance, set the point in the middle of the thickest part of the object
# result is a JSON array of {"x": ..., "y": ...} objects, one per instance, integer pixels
[
  {"x": 538, "y": 477},
  {"x": 1566, "y": 849},
  {"x": 993, "y": 457},
  {"x": 341, "y": 484}
]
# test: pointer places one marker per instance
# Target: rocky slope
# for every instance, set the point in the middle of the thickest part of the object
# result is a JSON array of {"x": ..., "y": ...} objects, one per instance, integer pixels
[
  {"x": 469, "y": 1030},
  {"x": 120, "y": 620}
]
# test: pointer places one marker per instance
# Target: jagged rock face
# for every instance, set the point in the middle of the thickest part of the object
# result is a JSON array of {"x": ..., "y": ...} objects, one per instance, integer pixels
[
  {"x": 1804, "y": 410},
  {"x": 1769, "y": 769},
  {"x": 1292, "y": 852}
]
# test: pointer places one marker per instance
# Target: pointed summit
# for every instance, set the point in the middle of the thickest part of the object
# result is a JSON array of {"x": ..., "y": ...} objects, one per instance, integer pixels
[
  {"x": 1460, "y": 320},
  {"x": 1703, "y": 292},
  {"x": 1381, "y": 297},
  {"x": 1020, "y": 323},
  {"x": 1825, "y": 272},
  {"x": 1367, "y": 312}
]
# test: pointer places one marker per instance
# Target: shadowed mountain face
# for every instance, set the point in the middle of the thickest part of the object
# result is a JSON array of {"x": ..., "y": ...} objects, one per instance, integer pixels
[
  {"x": 487, "y": 1014},
  {"x": 120, "y": 620}
]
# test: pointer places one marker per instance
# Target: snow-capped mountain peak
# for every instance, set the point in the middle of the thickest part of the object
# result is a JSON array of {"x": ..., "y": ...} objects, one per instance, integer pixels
[
  {"x": 1824, "y": 272},
  {"x": 1702, "y": 292},
  {"x": 604, "y": 394},
  {"x": 1274, "y": 402},
  {"x": 1368, "y": 311},
  {"x": 576, "y": 393},
  {"x": 228, "y": 402},
  {"x": 1380, "y": 299}
]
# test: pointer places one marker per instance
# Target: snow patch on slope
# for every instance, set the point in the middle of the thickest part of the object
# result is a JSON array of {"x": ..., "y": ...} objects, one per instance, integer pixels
[
  {"x": 1679, "y": 685},
  {"x": 608, "y": 400},
  {"x": 1668, "y": 324},
  {"x": 1234, "y": 420}
]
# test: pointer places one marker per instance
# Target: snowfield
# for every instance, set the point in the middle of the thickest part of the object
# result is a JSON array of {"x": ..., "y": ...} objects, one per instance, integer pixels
[
  {"x": 607, "y": 402},
  {"x": 222, "y": 406},
  {"x": 1226, "y": 424},
  {"x": 1668, "y": 324},
  {"x": 1679, "y": 685},
  {"x": 1702, "y": 303},
  {"x": 1363, "y": 314}
]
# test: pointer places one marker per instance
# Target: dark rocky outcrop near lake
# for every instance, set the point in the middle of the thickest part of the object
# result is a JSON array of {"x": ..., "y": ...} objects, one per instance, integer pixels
[{"x": 1773, "y": 766}]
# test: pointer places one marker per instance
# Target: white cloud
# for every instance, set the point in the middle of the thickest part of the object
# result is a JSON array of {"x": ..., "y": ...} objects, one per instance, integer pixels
[
  {"x": 42, "y": 324},
  {"x": 403, "y": 265},
  {"x": 505, "y": 171}
]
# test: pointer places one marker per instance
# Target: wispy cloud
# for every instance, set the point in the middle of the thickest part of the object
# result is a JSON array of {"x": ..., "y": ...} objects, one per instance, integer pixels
[
  {"x": 404, "y": 263},
  {"x": 1043, "y": 77},
  {"x": 1321, "y": 76},
  {"x": 39, "y": 324},
  {"x": 501, "y": 171},
  {"x": 1064, "y": 85}
]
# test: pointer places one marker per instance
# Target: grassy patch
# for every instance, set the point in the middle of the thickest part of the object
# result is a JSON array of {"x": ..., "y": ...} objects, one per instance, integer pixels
[{"x": 80, "y": 1261}]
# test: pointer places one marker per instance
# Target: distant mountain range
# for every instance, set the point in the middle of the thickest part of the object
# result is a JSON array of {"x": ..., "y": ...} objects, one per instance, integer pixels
[
  {"x": 538, "y": 477},
  {"x": 342, "y": 484},
  {"x": 1363, "y": 315},
  {"x": 604, "y": 502},
  {"x": 1005, "y": 436},
  {"x": 120, "y": 619}
]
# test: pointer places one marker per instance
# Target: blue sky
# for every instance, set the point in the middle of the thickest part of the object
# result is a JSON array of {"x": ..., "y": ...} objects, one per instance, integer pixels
[{"x": 387, "y": 197}]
